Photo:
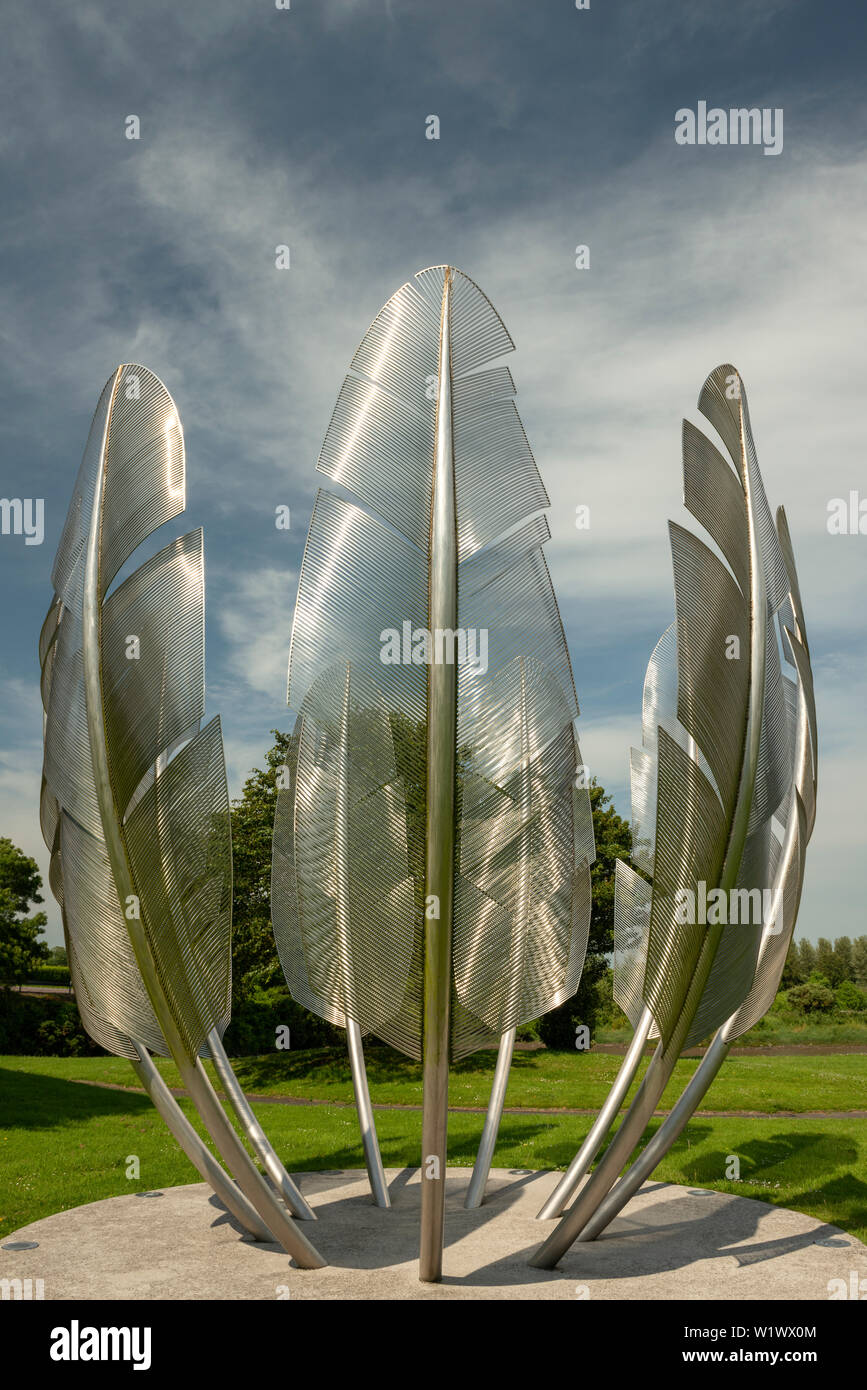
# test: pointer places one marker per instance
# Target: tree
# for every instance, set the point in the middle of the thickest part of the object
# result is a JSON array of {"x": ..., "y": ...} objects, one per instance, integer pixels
[
  {"x": 813, "y": 996},
  {"x": 825, "y": 958},
  {"x": 613, "y": 842},
  {"x": 849, "y": 996},
  {"x": 842, "y": 961},
  {"x": 20, "y": 882},
  {"x": 792, "y": 972},
  {"x": 255, "y": 963},
  {"x": 807, "y": 958},
  {"x": 859, "y": 960}
]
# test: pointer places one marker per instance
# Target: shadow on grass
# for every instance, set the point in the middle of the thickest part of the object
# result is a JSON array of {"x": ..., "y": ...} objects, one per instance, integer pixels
[
  {"x": 29, "y": 1100},
  {"x": 383, "y": 1065},
  {"x": 757, "y": 1156}
]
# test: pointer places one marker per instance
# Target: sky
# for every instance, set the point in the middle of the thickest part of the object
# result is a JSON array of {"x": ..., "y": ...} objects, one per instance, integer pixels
[{"x": 306, "y": 127}]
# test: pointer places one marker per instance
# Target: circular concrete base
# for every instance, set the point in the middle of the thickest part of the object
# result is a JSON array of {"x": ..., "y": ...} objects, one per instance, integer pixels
[{"x": 672, "y": 1242}]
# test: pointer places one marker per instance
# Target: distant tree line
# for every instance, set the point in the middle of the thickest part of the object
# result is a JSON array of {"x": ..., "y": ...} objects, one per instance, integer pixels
[{"x": 837, "y": 961}]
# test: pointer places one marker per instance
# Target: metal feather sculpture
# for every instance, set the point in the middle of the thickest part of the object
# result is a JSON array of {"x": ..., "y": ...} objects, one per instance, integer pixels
[
  {"x": 134, "y": 801},
  {"x": 723, "y": 802},
  {"x": 431, "y": 862}
]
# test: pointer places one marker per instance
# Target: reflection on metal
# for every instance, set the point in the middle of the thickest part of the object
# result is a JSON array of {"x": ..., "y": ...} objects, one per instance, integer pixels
[
  {"x": 134, "y": 805},
  {"x": 200, "y": 1157},
  {"x": 256, "y": 1135},
  {"x": 781, "y": 917},
  {"x": 479, "y": 1180},
  {"x": 442, "y": 716},
  {"x": 372, "y": 1158},
  {"x": 725, "y": 767},
  {"x": 583, "y": 1160},
  {"x": 431, "y": 870}
]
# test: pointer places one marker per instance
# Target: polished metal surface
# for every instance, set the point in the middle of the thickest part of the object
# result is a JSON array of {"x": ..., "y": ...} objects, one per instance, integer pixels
[
  {"x": 201, "y": 1157},
  {"x": 254, "y": 1132},
  {"x": 135, "y": 805},
  {"x": 719, "y": 788},
  {"x": 581, "y": 1163},
  {"x": 778, "y": 931},
  {"x": 440, "y": 823},
  {"x": 370, "y": 1143},
  {"x": 479, "y": 1180},
  {"x": 426, "y": 780}
]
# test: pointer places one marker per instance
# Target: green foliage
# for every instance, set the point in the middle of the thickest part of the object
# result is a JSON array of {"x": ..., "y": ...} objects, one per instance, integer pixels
[
  {"x": 792, "y": 968},
  {"x": 826, "y": 962},
  {"x": 20, "y": 947},
  {"x": 57, "y": 955},
  {"x": 807, "y": 959},
  {"x": 256, "y": 1021},
  {"x": 841, "y": 960},
  {"x": 837, "y": 961},
  {"x": 255, "y": 964},
  {"x": 593, "y": 1002},
  {"x": 813, "y": 996},
  {"x": 859, "y": 960},
  {"x": 49, "y": 975},
  {"x": 38, "y": 1027},
  {"x": 260, "y": 1000},
  {"x": 849, "y": 996}
]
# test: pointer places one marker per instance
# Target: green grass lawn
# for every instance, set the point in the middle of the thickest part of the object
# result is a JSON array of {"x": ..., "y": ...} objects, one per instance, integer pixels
[
  {"x": 62, "y": 1144},
  {"x": 538, "y": 1079},
  {"x": 775, "y": 1029}
]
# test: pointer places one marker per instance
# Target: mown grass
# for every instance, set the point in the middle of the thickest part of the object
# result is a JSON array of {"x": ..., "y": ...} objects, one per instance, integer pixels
[
  {"x": 538, "y": 1079},
  {"x": 783, "y": 1029}
]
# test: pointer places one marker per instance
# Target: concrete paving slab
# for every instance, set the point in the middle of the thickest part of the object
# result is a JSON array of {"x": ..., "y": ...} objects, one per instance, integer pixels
[{"x": 671, "y": 1243}]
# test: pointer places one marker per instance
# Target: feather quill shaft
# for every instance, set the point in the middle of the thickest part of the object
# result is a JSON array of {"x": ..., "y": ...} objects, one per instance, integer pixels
[{"x": 440, "y": 842}]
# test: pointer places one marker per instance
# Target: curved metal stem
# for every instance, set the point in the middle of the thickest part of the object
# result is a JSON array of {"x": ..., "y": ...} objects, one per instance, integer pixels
[
  {"x": 614, "y": 1158},
  {"x": 372, "y": 1157},
  {"x": 568, "y": 1184},
  {"x": 250, "y": 1180},
  {"x": 657, "y": 1147},
  {"x": 200, "y": 1156},
  {"x": 476, "y": 1190},
  {"x": 254, "y": 1131}
]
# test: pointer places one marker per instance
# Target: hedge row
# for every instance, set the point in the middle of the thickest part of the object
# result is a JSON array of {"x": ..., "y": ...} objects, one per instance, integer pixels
[{"x": 39, "y": 1026}]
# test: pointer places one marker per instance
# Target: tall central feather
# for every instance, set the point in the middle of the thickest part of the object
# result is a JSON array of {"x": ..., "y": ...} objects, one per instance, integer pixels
[{"x": 432, "y": 856}]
